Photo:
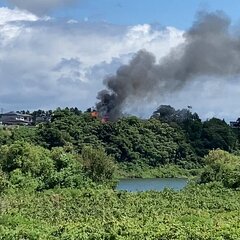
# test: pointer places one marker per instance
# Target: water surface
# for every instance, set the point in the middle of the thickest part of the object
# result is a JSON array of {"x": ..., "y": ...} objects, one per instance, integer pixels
[{"x": 147, "y": 184}]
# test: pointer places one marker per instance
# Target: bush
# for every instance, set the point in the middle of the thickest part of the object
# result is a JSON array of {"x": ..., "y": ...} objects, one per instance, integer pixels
[
  {"x": 98, "y": 165},
  {"x": 30, "y": 159},
  {"x": 222, "y": 166},
  {"x": 27, "y": 166},
  {"x": 68, "y": 169}
]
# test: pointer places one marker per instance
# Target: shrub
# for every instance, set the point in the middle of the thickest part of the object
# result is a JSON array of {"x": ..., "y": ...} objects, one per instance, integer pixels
[
  {"x": 222, "y": 167},
  {"x": 97, "y": 164}
]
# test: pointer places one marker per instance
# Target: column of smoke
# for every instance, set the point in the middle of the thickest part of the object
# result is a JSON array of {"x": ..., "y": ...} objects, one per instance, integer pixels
[{"x": 210, "y": 49}]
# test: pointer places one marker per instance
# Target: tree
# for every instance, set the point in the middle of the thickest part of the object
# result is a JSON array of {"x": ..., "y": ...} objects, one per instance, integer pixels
[
  {"x": 51, "y": 137},
  {"x": 27, "y": 157},
  {"x": 26, "y": 164},
  {"x": 217, "y": 134},
  {"x": 167, "y": 113},
  {"x": 98, "y": 165},
  {"x": 68, "y": 169},
  {"x": 223, "y": 167}
]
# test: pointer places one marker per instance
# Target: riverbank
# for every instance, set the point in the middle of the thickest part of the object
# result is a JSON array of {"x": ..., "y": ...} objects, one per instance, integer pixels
[{"x": 164, "y": 171}]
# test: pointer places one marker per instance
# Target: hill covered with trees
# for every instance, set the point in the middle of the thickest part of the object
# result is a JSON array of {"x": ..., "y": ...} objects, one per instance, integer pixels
[
  {"x": 57, "y": 179},
  {"x": 168, "y": 137}
]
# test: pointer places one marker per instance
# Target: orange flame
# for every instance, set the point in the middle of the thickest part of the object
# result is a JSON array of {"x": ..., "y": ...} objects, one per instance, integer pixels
[{"x": 94, "y": 114}]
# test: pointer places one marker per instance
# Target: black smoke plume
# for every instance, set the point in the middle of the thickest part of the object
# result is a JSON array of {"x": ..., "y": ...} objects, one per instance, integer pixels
[{"x": 210, "y": 49}]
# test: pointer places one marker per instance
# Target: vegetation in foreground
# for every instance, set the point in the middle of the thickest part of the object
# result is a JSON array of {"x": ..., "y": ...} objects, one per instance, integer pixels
[
  {"x": 57, "y": 179},
  {"x": 197, "y": 212}
]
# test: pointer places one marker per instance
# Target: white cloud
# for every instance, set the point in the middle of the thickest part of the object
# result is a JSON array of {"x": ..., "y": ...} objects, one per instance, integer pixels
[
  {"x": 45, "y": 63},
  {"x": 7, "y": 15},
  {"x": 12, "y": 23},
  {"x": 211, "y": 97}
]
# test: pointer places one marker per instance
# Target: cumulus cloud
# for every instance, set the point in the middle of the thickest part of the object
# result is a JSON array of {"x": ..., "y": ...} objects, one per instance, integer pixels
[
  {"x": 45, "y": 63},
  {"x": 10, "y": 21},
  {"x": 41, "y": 7},
  {"x": 7, "y": 15}
]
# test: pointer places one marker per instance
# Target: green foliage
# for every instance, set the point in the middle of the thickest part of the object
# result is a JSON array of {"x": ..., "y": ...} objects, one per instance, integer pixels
[
  {"x": 24, "y": 181},
  {"x": 30, "y": 159},
  {"x": 32, "y": 167},
  {"x": 75, "y": 155},
  {"x": 168, "y": 114},
  {"x": 9, "y": 135},
  {"x": 127, "y": 140},
  {"x": 98, "y": 165},
  {"x": 182, "y": 140},
  {"x": 222, "y": 167},
  {"x": 133, "y": 170},
  {"x": 211, "y": 134},
  {"x": 69, "y": 127},
  {"x": 4, "y": 183},
  {"x": 68, "y": 170},
  {"x": 27, "y": 134},
  {"x": 51, "y": 137},
  {"x": 203, "y": 136},
  {"x": 217, "y": 134},
  {"x": 5, "y": 135},
  {"x": 197, "y": 212},
  {"x": 26, "y": 165},
  {"x": 170, "y": 137},
  {"x": 149, "y": 141}
]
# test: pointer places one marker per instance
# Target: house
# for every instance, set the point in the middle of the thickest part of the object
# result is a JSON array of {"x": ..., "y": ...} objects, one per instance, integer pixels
[{"x": 13, "y": 118}]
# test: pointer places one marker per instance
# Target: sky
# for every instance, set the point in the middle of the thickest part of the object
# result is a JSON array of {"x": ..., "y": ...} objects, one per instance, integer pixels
[{"x": 57, "y": 53}]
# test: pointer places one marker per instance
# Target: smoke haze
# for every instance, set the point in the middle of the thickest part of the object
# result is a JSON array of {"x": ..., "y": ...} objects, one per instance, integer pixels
[{"x": 210, "y": 50}]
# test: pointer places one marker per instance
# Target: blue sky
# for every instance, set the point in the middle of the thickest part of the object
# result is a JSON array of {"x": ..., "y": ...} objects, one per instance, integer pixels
[{"x": 177, "y": 13}]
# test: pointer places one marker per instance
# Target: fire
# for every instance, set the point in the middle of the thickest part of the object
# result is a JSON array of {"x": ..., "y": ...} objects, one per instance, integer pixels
[
  {"x": 105, "y": 119},
  {"x": 94, "y": 114}
]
